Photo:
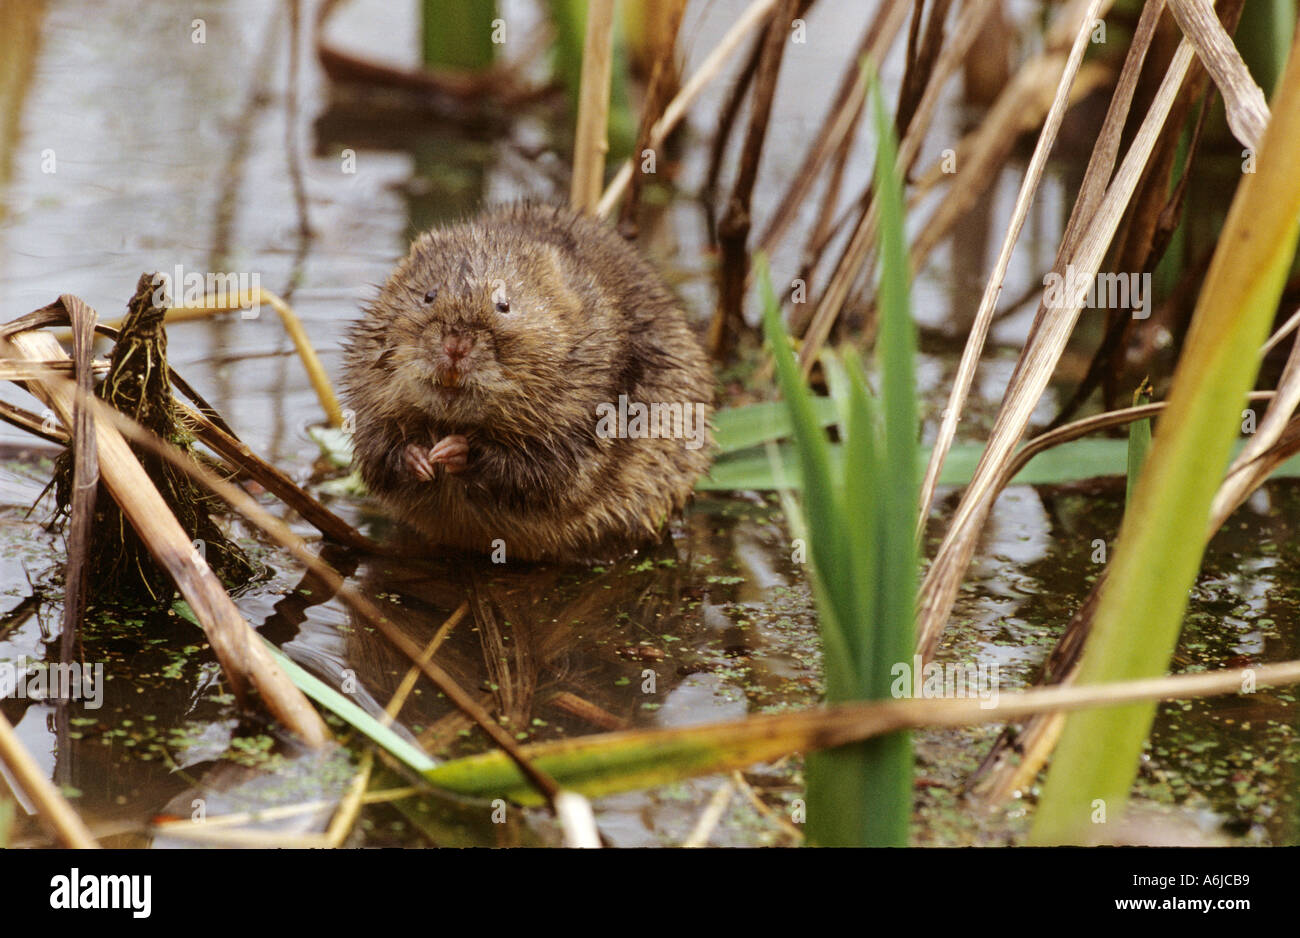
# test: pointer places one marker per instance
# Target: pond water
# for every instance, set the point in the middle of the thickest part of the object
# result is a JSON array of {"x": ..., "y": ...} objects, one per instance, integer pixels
[{"x": 221, "y": 156}]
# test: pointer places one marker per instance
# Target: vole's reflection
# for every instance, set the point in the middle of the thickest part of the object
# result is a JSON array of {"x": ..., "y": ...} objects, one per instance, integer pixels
[{"x": 550, "y": 650}]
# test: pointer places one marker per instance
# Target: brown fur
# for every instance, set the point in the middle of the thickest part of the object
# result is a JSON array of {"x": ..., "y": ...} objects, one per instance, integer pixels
[{"x": 588, "y": 320}]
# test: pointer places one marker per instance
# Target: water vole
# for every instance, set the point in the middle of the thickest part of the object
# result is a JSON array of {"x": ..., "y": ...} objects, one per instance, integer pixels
[{"x": 525, "y": 385}]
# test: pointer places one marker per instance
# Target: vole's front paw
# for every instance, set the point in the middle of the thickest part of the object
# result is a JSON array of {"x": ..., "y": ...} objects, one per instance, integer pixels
[
  {"x": 451, "y": 452},
  {"x": 417, "y": 460}
]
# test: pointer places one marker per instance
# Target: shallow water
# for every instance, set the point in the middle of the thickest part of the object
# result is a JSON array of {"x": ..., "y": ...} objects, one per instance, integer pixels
[{"x": 167, "y": 152}]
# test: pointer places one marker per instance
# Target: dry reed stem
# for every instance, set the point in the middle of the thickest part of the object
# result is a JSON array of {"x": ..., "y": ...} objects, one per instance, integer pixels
[
  {"x": 1243, "y": 99},
  {"x": 280, "y": 812},
  {"x": 1249, "y": 470},
  {"x": 663, "y": 80},
  {"x": 1083, "y": 247},
  {"x": 733, "y": 229},
  {"x": 238, "y": 456},
  {"x": 1036, "y": 739},
  {"x": 995, "y": 140},
  {"x": 841, "y": 119},
  {"x": 711, "y": 816},
  {"x": 350, "y": 807},
  {"x": 922, "y": 52},
  {"x": 591, "y": 142},
  {"x": 1282, "y": 332},
  {"x": 237, "y": 646},
  {"x": 754, "y": 14},
  {"x": 974, "y": 348},
  {"x": 55, "y": 812},
  {"x": 859, "y": 247},
  {"x": 847, "y": 720}
]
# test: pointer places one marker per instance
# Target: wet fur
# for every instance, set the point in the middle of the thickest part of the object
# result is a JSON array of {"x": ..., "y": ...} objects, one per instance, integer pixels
[{"x": 588, "y": 321}]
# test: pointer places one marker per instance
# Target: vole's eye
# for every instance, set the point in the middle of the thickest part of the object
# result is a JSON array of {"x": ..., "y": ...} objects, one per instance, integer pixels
[
  {"x": 431, "y": 295},
  {"x": 503, "y": 306}
]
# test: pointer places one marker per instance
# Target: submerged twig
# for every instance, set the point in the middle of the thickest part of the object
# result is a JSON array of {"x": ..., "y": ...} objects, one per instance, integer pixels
[
  {"x": 711, "y": 817},
  {"x": 412, "y": 675}
]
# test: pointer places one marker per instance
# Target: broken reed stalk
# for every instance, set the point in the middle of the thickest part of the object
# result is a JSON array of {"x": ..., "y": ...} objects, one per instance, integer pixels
[
  {"x": 239, "y": 649},
  {"x": 138, "y": 384},
  {"x": 278, "y": 532},
  {"x": 206, "y": 424},
  {"x": 733, "y": 229},
  {"x": 1244, "y": 102},
  {"x": 591, "y": 137},
  {"x": 85, "y": 478},
  {"x": 206, "y": 307}
]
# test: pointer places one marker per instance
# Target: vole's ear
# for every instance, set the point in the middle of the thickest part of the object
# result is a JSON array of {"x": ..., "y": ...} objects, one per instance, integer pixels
[{"x": 384, "y": 359}]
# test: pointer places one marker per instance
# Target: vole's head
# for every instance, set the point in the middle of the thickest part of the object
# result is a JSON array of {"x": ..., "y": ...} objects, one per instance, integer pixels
[{"x": 476, "y": 326}]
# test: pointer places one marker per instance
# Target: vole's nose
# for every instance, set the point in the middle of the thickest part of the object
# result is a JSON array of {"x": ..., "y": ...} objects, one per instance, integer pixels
[{"x": 457, "y": 345}]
